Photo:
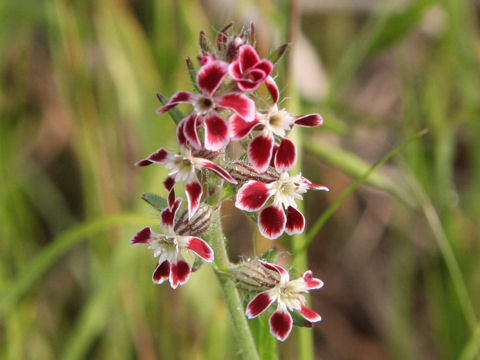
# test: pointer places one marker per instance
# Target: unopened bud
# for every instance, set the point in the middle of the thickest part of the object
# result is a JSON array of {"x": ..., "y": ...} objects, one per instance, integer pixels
[
  {"x": 251, "y": 275},
  {"x": 242, "y": 172},
  {"x": 197, "y": 225},
  {"x": 205, "y": 154}
]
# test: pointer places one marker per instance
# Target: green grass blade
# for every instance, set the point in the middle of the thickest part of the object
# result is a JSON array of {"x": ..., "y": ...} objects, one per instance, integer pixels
[
  {"x": 52, "y": 252},
  {"x": 472, "y": 348},
  {"x": 332, "y": 208},
  {"x": 94, "y": 316},
  {"x": 192, "y": 72},
  {"x": 356, "y": 167},
  {"x": 376, "y": 36},
  {"x": 174, "y": 113},
  {"x": 448, "y": 254}
]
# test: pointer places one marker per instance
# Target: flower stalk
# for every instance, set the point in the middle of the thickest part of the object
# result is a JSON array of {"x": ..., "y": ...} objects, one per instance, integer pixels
[{"x": 232, "y": 298}]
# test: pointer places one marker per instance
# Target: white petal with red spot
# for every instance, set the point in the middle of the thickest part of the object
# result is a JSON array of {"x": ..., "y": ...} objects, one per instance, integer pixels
[
  {"x": 309, "y": 120},
  {"x": 211, "y": 75},
  {"x": 200, "y": 247},
  {"x": 179, "y": 273},
  {"x": 238, "y": 128},
  {"x": 161, "y": 272},
  {"x": 141, "y": 237},
  {"x": 311, "y": 282},
  {"x": 168, "y": 215},
  {"x": 252, "y": 196},
  {"x": 260, "y": 152},
  {"x": 272, "y": 88},
  {"x": 207, "y": 164},
  {"x": 239, "y": 103},
  {"x": 216, "y": 133},
  {"x": 182, "y": 140},
  {"x": 271, "y": 222},
  {"x": 169, "y": 183},
  {"x": 177, "y": 98},
  {"x": 312, "y": 186},
  {"x": 285, "y": 156},
  {"x": 283, "y": 273},
  {"x": 247, "y": 57},
  {"x": 259, "y": 304},
  {"x": 281, "y": 324},
  {"x": 309, "y": 314},
  {"x": 265, "y": 66},
  {"x": 160, "y": 156},
  {"x": 234, "y": 70},
  {"x": 194, "y": 192},
  {"x": 295, "y": 221},
  {"x": 171, "y": 198},
  {"x": 190, "y": 131}
]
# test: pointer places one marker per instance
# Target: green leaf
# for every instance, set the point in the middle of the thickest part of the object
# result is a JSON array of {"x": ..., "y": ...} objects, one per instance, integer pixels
[
  {"x": 174, "y": 113},
  {"x": 397, "y": 25},
  {"x": 204, "y": 42},
  {"x": 299, "y": 320},
  {"x": 243, "y": 157},
  {"x": 252, "y": 215},
  {"x": 278, "y": 53},
  {"x": 270, "y": 255},
  {"x": 193, "y": 73},
  {"x": 156, "y": 201},
  {"x": 197, "y": 264},
  {"x": 227, "y": 192}
]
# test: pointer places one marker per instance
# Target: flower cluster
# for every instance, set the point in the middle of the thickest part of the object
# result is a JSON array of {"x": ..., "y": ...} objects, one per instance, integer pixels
[
  {"x": 288, "y": 294},
  {"x": 169, "y": 245},
  {"x": 226, "y": 108}
]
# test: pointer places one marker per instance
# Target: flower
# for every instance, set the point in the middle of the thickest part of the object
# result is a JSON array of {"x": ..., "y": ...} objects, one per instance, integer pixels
[
  {"x": 184, "y": 167},
  {"x": 168, "y": 246},
  {"x": 274, "y": 122},
  {"x": 289, "y": 297},
  {"x": 272, "y": 220},
  {"x": 248, "y": 70},
  {"x": 209, "y": 78}
]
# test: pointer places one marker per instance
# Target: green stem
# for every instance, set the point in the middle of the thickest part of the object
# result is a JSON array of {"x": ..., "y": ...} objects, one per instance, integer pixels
[
  {"x": 241, "y": 329},
  {"x": 448, "y": 255}
]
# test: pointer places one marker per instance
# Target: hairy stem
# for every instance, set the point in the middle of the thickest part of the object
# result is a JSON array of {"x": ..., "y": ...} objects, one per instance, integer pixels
[{"x": 234, "y": 304}]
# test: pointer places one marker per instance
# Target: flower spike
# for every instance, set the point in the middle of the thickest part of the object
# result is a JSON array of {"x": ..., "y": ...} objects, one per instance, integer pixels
[{"x": 224, "y": 108}]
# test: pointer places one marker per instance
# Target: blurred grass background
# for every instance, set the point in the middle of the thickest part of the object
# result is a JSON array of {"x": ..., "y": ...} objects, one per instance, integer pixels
[{"x": 400, "y": 256}]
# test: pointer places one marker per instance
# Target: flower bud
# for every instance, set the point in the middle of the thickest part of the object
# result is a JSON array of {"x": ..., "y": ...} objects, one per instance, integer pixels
[
  {"x": 197, "y": 224},
  {"x": 251, "y": 275},
  {"x": 242, "y": 171}
]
